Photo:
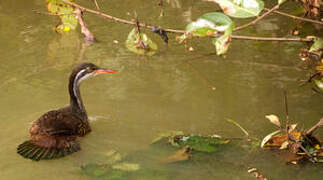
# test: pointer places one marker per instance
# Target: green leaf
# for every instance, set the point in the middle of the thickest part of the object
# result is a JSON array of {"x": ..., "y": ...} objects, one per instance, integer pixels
[
  {"x": 317, "y": 45},
  {"x": 166, "y": 135},
  {"x": 66, "y": 14},
  {"x": 209, "y": 24},
  {"x": 200, "y": 143},
  {"x": 222, "y": 44},
  {"x": 145, "y": 47},
  {"x": 241, "y": 8}
]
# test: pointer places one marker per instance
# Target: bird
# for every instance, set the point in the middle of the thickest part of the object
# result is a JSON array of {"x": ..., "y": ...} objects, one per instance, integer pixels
[{"x": 54, "y": 134}]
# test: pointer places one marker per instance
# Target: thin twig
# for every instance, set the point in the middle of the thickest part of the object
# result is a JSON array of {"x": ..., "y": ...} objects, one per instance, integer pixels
[
  {"x": 296, "y": 17},
  {"x": 143, "y": 25},
  {"x": 317, "y": 125},
  {"x": 96, "y": 5},
  {"x": 286, "y": 111},
  {"x": 272, "y": 38},
  {"x": 50, "y": 14},
  {"x": 257, "y": 19}
]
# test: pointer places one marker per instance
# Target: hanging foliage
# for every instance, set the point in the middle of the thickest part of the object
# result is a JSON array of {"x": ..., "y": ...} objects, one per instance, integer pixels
[
  {"x": 142, "y": 44},
  {"x": 241, "y": 8},
  {"x": 212, "y": 24},
  {"x": 68, "y": 20}
]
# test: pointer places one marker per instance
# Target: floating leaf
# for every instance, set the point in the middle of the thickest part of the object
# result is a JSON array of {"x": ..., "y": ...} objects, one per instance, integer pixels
[
  {"x": 127, "y": 166},
  {"x": 66, "y": 14},
  {"x": 199, "y": 143},
  {"x": 268, "y": 137},
  {"x": 317, "y": 45},
  {"x": 278, "y": 140},
  {"x": 241, "y": 8},
  {"x": 273, "y": 119},
  {"x": 140, "y": 44}
]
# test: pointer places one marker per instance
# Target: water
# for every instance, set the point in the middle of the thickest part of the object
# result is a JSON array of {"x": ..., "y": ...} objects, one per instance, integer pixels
[{"x": 172, "y": 90}]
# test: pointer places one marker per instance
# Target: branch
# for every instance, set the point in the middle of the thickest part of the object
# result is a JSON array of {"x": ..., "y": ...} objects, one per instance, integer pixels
[
  {"x": 96, "y": 5},
  {"x": 257, "y": 19},
  {"x": 143, "y": 25},
  {"x": 272, "y": 38},
  {"x": 296, "y": 17},
  {"x": 88, "y": 35}
]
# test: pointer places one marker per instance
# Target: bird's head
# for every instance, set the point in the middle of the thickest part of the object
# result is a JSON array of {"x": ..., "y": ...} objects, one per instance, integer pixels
[{"x": 86, "y": 70}]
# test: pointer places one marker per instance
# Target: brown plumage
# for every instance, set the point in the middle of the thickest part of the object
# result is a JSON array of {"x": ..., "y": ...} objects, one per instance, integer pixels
[{"x": 55, "y": 133}]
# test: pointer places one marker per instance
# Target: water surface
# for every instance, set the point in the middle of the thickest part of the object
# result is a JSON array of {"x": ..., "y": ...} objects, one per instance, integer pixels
[{"x": 172, "y": 90}]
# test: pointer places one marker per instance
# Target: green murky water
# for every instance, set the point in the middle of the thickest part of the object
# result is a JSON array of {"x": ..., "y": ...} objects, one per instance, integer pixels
[{"x": 171, "y": 90}]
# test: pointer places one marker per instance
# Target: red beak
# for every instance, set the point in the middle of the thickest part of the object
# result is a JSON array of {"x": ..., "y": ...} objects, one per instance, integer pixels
[{"x": 103, "y": 71}]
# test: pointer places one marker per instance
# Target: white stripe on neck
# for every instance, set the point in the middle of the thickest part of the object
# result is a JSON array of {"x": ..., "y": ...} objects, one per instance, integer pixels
[{"x": 76, "y": 84}]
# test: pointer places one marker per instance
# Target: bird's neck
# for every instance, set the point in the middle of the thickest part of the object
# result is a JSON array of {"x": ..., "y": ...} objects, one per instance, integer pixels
[{"x": 76, "y": 102}]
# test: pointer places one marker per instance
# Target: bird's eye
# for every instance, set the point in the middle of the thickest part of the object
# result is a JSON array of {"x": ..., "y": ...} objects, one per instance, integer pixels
[{"x": 89, "y": 69}]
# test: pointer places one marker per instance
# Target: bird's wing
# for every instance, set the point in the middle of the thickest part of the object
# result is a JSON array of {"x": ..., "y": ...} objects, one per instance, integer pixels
[{"x": 57, "y": 123}]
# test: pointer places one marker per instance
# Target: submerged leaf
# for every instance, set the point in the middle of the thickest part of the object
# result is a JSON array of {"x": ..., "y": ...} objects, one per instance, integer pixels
[
  {"x": 94, "y": 169},
  {"x": 273, "y": 119},
  {"x": 241, "y": 8},
  {"x": 180, "y": 155},
  {"x": 142, "y": 44},
  {"x": 199, "y": 143},
  {"x": 127, "y": 166}
]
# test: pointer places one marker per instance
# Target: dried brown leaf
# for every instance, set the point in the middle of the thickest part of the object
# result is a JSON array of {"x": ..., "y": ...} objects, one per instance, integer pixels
[{"x": 273, "y": 119}]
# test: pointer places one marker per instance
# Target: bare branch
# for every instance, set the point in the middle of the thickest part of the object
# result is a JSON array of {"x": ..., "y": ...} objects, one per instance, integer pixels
[
  {"x": 257, "y": 19},
  {"x": 88, "y": 35},
  {"x": 143, "y": 25},
  {"x": 296, "y": 17}
]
